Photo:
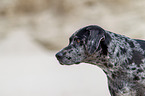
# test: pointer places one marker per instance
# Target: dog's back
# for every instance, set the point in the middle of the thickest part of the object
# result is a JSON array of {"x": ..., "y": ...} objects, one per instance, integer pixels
[{"x": 141, "y": 42}]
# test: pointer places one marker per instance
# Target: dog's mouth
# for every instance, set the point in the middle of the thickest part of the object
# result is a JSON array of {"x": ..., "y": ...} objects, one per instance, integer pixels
[
  {"x": 68, "y": 63},
  {"x": 77, "y": 62},
  {"x": 61, "y": 63},
  {"x": 63, "y": 60}
]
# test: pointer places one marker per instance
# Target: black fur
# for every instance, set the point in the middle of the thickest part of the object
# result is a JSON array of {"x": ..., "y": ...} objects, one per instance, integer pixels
[{"x": 121, "y": 58}]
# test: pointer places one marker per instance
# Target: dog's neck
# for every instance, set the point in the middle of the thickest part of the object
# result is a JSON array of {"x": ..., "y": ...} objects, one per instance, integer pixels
[
  {"x": 118, "y": 59},
  {"x": 115, "y": 57},
  {"x": 118, "y": 55}
]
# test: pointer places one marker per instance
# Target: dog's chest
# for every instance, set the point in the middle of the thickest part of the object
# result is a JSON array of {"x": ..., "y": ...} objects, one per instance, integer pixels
[
  {"x": 120, "y": 88},
  {"x": 126, "y": 92}
]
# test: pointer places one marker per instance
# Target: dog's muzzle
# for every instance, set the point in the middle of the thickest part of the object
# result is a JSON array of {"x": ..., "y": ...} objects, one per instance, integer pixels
[{"x": 59, "y": 57}]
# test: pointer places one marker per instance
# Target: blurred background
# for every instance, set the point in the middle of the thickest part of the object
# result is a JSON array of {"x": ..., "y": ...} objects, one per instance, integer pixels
[{"x": 32, "y": 31}]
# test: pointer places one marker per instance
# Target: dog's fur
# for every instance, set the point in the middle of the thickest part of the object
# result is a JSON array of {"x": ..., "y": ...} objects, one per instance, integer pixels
[{"x": 121, "y": 58}]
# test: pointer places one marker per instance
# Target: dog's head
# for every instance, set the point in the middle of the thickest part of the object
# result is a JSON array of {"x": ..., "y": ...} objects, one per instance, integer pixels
[{"x": 82, "y": 44}]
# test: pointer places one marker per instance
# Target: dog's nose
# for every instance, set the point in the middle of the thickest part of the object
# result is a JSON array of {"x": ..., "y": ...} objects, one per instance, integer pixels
[{"x": 59, "y": 55}]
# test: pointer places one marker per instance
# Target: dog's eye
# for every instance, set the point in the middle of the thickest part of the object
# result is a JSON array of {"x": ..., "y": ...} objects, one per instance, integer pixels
[{"x": 78, "y": 41}]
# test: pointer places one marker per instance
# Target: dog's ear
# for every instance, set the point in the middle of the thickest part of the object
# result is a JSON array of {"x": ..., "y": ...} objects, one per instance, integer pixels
[{"x": 95, "y": 37}]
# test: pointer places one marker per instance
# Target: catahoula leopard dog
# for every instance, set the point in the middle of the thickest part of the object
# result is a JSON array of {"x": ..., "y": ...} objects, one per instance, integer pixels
[{"x": 120, "y": 57}]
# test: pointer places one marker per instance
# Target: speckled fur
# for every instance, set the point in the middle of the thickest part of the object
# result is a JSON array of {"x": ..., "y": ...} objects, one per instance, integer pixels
[{"x": 121, "y": 58}]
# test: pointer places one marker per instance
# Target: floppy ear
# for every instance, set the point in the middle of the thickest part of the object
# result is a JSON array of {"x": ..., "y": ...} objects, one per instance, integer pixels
[{"x": 94, "y": 39}]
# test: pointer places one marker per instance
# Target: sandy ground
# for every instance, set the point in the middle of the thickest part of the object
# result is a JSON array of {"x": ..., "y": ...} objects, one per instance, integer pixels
[{"x": 26, "y": 69}]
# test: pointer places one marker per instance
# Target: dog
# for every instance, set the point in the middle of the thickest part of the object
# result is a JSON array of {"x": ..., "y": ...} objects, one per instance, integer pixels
[{"x": 120, "y": 57}]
